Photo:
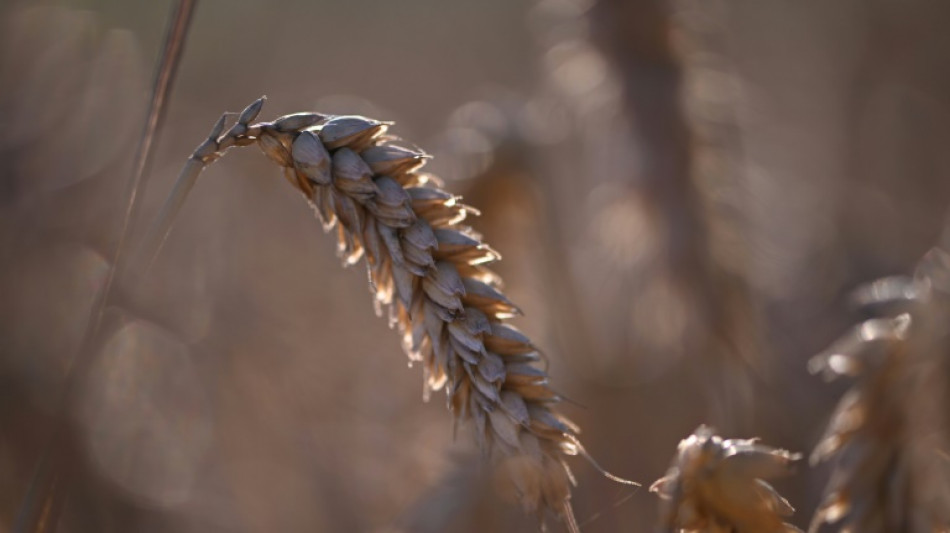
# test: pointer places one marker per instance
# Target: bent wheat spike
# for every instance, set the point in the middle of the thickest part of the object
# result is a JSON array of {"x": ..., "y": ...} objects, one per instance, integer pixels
[{"x": 429, "y": 271}]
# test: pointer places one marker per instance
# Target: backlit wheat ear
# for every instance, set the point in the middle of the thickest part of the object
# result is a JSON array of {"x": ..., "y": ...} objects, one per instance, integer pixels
[
  {"x": 717, "y": 486},
  {"x": 886, "y": 435},
  {"x": 430, "y": 272}
]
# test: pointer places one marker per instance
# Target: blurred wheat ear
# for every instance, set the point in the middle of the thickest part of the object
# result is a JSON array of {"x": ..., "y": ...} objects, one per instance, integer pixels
[
  {"x": 888, "y": 436},
  {"x": 42, "y": 504},
  {"x": 429, "y": 271}
]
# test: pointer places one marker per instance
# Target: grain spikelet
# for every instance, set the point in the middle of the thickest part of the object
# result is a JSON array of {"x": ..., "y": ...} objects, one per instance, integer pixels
[{"x": 717, "y": 486}]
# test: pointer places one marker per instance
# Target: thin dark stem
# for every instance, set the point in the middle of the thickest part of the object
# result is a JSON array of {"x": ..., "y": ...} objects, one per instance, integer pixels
[
  {"x": 41, "y": 506},
  {"x": 164, "y": 79}
]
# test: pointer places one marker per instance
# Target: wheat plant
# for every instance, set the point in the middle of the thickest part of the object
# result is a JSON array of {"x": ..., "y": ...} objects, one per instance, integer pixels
[
  {"x": 431, "y": 274},
  {"x": 429, "y": 271},
  {"x": 886, "y": 436}
]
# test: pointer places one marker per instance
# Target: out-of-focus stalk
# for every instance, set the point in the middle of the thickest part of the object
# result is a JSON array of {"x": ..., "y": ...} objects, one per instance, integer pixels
[{"x": 40, "y": 510}]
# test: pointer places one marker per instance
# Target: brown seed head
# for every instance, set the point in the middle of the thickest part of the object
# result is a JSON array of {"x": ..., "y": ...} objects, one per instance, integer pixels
[
  {"x": 432, "y": 275},
  {"x": 716, "y": 485},
  {"x": 886, "y": 436}
]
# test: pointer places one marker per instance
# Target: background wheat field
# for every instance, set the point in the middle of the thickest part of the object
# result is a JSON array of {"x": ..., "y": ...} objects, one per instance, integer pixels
[{"x": 690, "y": 199}]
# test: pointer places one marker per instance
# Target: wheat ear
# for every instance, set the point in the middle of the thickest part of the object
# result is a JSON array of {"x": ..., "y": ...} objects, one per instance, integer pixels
[
  {"x": 717, "y": 486},
  {"x": 429, "y": 271},
  {"x": 886, "y": 437}
]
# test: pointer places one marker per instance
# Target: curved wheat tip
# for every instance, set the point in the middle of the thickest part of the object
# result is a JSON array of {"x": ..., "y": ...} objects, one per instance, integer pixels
[
  {"x": 886, "y": 436},
  {"x": 716, "y": 485},
  {"x": 431, "y": 273}
]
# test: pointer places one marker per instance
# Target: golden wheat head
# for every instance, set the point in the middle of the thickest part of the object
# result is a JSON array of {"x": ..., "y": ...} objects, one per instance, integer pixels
[{"x": 430, "y": 272}]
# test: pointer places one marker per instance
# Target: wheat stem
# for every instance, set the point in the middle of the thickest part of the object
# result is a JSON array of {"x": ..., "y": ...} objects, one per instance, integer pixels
[
  {"x": 158, "y": 231},
  {"x": 39, "y": 511}
]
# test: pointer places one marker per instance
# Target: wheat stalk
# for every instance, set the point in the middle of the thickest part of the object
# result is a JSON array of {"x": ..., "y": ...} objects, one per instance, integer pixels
[
  {"x": 889, "y": 445},
  {"x": 717, "y": 486},
  {"x": 429, "y": 271},
  {"x": 43, "y": 502}
]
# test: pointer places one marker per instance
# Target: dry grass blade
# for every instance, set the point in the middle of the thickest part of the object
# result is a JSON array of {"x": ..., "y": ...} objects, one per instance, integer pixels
[
  {"x": 428, "y": 271},
  {"x": 718, "y": 486},
  {"x": 886, "y": 435}
]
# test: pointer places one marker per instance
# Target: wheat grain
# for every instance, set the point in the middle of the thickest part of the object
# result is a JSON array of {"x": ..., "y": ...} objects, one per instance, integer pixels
[
  {"x": 717, "y": 486},
  {"x": 430, "y": 272}
]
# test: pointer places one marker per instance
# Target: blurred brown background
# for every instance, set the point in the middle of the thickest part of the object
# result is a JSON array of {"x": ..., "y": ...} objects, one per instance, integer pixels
[{"x": 684, "y": 194}]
